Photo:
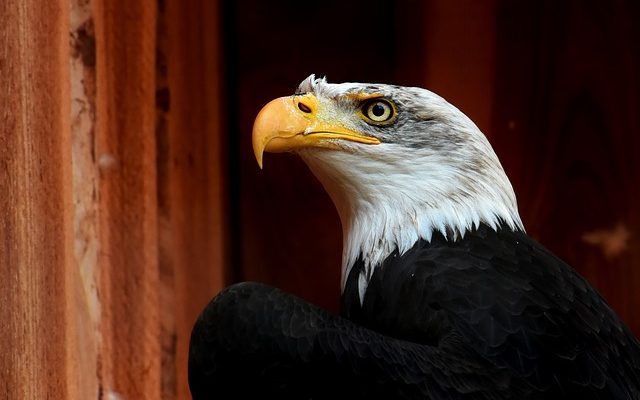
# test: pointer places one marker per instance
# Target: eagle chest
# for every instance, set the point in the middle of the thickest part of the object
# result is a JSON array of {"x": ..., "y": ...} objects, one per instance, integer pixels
[{"x": 401, "y": 299}]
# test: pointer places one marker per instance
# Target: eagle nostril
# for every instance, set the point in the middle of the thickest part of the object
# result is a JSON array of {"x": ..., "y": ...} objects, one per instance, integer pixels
[{"x": 304, "y": 108}]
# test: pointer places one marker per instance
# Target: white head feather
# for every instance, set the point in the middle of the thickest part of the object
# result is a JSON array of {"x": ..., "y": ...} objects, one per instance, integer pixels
[{"x": 444, "y": 177}]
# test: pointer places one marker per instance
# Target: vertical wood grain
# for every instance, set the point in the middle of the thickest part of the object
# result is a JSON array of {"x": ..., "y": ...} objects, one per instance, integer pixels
[
  {"x": 96, "y": 300},
  {"x": 126, "y": 156},
  {"x": 568, "y": 131},
  {"x": 35, "y": 200},
  {"x": 193, "y": 157},
  {"x": 459, "y": 55}
]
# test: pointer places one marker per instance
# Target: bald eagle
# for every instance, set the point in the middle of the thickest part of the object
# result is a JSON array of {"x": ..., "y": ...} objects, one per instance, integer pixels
[{"x": 444, "y": 296}]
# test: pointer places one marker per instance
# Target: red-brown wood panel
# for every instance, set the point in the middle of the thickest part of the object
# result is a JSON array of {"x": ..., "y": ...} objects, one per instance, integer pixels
[
  {"x": 191, "y": 176},
  {"x": 460, "y": 55},
  {"x": 125, "y": 151},
  {"x": 112, "y": 234},
  {"x": 567, "y": 128},
  {"x": 36, "y": 350}
]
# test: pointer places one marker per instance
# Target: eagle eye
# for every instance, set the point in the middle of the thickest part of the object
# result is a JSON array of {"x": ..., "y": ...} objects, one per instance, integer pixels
[{"x": 378, "y": 111}]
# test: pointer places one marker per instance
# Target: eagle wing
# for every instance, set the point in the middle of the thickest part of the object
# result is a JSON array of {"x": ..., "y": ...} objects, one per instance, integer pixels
[
  {"x": 513, "y": 303},
  {"x": 255, "y": 340}
]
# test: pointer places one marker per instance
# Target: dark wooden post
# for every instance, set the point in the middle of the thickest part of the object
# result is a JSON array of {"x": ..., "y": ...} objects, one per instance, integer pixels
[{"x": 191, "y": 160}]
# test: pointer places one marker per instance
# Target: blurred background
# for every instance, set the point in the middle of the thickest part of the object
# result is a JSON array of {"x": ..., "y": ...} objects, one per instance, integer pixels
[
  {"x": 554, "y": 85},
  {"x": 126, "y": 209}
]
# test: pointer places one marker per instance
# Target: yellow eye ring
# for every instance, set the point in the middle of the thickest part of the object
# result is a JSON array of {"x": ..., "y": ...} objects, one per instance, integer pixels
[{"x": 378, "y": 111}]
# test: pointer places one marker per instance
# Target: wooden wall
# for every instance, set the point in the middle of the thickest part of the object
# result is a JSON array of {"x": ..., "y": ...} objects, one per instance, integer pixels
[
  {"x": 37, "y": 359},
  {"x": 111, "y": 210},
  {"x": 566, "y": 123},
  {"x": 129, "y": 194}
]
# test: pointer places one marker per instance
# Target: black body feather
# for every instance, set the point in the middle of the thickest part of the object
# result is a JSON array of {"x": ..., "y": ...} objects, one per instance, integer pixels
[{"x": 493, "y": 315}]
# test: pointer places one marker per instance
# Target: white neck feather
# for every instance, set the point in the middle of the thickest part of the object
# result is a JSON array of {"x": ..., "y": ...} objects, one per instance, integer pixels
[
  {"x": 387, "y": 200},
  {"x": 435, "y": 173}
]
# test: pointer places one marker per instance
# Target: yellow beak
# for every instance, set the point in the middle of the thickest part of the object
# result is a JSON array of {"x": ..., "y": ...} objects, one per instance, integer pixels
[{"x": 290, "y": 123}]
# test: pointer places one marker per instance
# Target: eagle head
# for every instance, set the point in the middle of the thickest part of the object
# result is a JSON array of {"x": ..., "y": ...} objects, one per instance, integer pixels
[{"x": 400, "y": 163}]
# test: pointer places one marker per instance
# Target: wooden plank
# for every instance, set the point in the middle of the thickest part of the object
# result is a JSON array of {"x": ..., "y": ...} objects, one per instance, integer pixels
[
  {"x": 459, "y": 54},
  {"x": 191, "y": 170},
  {"x": 567, "y": 130},
  {"x": 36, "y": 360},
  {"x": 126, "y": 155},
  {"x": 85, "y": 268}
]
